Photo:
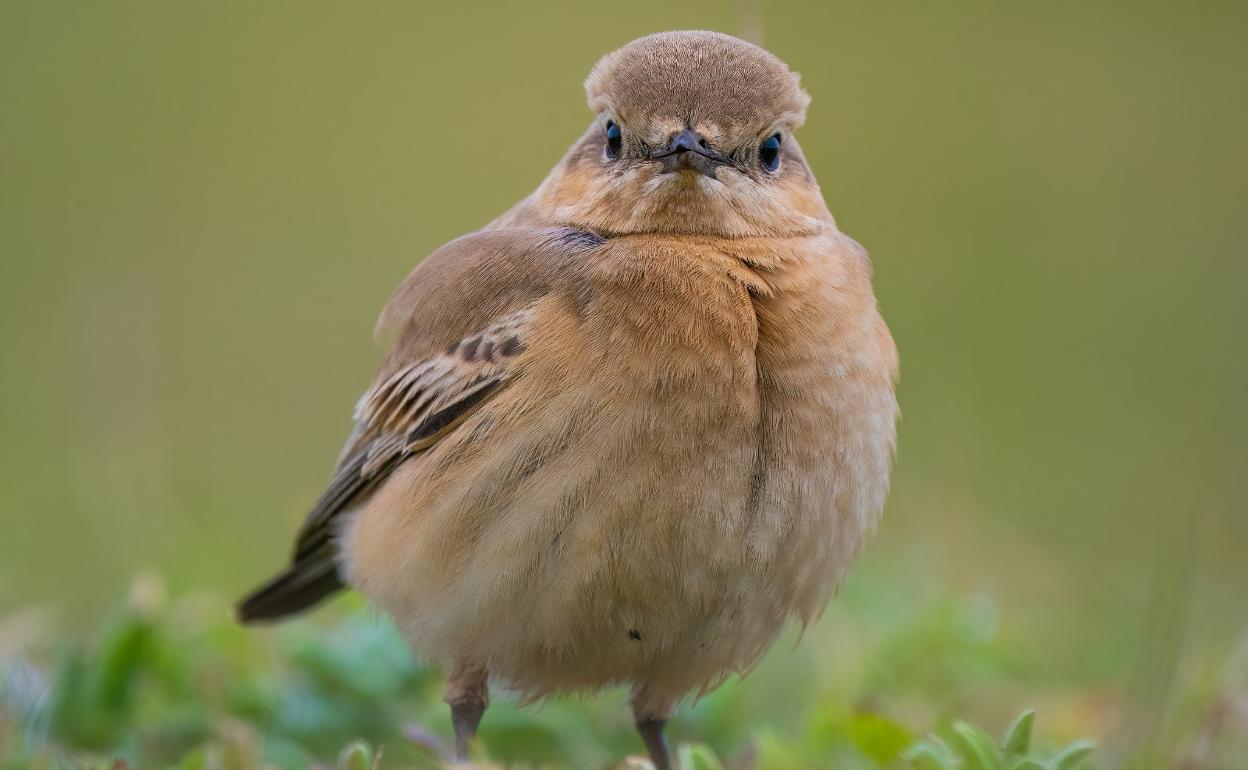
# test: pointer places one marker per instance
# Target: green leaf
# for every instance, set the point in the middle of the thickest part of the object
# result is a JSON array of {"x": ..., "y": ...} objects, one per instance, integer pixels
[
  {"x": 1027, "y": 764},
  {"x": 879, "y": 738},
  {"x": 123, "y": 654},
  {"x": 925, "y": 756},
  {"x": 1072, "y": 755},
  {"x": 1018, "y": 738},
  {"x": 357, "y": 755},
  {"x": 698, "y": 756},
  {"x": 976, "y": 747}
]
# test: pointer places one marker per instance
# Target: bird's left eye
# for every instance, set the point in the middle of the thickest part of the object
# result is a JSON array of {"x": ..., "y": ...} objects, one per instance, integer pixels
[
  {"x": 614, "y": 139},
  {"x": 769, "y": 152}
]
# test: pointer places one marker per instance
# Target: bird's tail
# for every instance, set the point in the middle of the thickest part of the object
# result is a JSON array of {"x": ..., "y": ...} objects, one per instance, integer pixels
[{"x": 295, "y": 589}]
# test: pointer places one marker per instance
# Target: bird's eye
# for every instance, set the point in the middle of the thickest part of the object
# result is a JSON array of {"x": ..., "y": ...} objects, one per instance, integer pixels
[
  {"x": 769, "y": 152},
  {"x": 614, "y": 139}
]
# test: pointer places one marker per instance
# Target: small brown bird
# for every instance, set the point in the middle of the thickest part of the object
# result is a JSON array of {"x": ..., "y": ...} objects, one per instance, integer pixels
[{"x": 634, "y": 425}]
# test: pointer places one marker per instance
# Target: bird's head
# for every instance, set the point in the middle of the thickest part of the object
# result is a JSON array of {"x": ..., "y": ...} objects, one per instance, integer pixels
[{"x": 693, "y": 133}]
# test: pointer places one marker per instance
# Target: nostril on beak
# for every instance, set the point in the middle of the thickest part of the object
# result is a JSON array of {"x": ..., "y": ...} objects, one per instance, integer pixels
[
  {"x": 688, "y": 151},
  {"x": 687, "y": 141}
]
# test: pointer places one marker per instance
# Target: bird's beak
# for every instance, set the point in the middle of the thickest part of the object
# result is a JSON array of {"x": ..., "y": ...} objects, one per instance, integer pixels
[{"x": 688, "y": 151}]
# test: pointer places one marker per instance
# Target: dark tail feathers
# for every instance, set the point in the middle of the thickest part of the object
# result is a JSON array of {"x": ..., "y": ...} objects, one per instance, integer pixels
[{"x": 295, "y": 589}]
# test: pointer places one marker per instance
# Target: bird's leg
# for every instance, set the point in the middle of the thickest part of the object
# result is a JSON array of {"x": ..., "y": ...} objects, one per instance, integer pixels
[
  {"x": 650, "y": 724},
  {"x": 467, "y": 693},
  {"x": 652, "y": 733}
]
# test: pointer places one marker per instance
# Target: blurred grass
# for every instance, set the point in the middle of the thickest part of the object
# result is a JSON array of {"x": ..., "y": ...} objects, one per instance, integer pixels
[
  {"x": 202, "y": 207},
  {"x": 180, "y": 685}
]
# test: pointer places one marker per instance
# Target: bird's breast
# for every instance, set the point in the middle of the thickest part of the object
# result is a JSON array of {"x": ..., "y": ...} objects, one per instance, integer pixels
[
  {"x": 694, "y": 454},
  {"x": 759, "y": 400}
]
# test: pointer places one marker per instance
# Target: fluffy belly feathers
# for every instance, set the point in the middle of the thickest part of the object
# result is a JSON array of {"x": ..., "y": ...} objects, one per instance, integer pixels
[{"x": 657, "y": 523}]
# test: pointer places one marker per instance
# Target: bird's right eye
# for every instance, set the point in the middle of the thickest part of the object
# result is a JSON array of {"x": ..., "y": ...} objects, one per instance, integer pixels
[{"x": 615, "y": 140}]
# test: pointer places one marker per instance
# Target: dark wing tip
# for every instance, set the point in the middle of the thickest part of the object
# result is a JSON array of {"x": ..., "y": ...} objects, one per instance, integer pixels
[{"x": 297, "y": 588}]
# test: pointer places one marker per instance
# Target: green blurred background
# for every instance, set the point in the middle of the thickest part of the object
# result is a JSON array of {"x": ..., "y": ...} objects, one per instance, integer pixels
[{"x": 204, "y": 205}]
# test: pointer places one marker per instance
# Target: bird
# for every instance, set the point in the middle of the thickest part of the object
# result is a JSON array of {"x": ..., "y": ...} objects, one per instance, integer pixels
[{"x": 628, "y": 431}]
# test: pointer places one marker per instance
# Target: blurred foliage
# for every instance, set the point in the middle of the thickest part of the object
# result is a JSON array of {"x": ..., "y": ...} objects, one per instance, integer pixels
[{"x": 181, "y": 686}]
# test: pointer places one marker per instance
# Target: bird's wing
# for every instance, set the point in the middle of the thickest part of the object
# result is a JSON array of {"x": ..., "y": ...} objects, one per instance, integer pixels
[
  {"x": 462, "y": 321},
  {"x": 410, "y": 410}
]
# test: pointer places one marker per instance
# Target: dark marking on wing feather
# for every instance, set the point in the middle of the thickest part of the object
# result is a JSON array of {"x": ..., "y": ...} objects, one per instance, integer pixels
[
  {"x": 314, "y": 546},
  {"x": 444, "y": 417},
  {"x": 571, "y": 236},
  {"x": 510, "y": 347}
]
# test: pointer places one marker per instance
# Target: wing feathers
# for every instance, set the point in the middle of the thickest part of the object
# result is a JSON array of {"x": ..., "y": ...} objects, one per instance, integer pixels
[
  {"x": 406, "y": 413},
  {"x": 481, "y": 288}
]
